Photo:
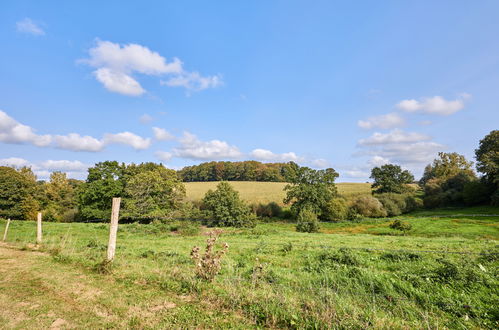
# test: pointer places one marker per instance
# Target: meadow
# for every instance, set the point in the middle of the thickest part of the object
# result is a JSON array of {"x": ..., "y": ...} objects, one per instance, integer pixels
[
  {"x": 266, "y": 192},
  {"x": 442, "y": 273}
]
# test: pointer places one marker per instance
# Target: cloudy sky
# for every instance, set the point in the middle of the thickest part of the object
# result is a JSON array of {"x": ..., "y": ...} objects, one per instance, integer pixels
[{"x": 341, "y": 84}]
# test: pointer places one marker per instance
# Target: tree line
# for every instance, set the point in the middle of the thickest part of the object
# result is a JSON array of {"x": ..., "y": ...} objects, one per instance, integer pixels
[
  {"x": 236, "y": 171},
  {"x": 151, "y": 191}
]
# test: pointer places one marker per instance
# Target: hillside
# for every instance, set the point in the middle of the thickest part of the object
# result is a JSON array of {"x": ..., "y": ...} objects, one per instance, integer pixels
[{"x": 266, "y": 192}]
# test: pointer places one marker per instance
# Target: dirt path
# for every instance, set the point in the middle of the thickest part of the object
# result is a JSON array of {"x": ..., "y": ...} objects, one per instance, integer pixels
[{"x": 38, "y": 293}]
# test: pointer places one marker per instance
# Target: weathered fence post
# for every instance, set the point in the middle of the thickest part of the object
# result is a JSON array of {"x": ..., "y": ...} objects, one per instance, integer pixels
[
  {"x": 113, "y": 229},
  {"x": 39, "y": 228},
  {"x": 6, "y": 230}
]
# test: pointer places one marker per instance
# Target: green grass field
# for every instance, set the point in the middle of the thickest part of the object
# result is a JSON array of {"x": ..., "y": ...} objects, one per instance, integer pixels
[
  {"x": 350, "y": 275},
  {"x": 266, "y": 192}
]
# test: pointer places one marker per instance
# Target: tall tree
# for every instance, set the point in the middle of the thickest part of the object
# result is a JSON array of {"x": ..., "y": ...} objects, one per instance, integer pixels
[
  {"x": 153, "y": 194},
  {"x": 18, "y": 193},
  {"x": 390, "y": 178},
  {"x": 310, "y": 189},
  {"x": 487, "y": 156},
  {"x": 104, "y": 181}
]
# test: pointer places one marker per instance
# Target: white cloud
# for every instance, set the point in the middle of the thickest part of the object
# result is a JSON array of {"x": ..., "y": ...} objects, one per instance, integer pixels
[
  {"x": 28, "y": 26},
  {"x": 163, "y": 155},
  {"x": 161, "y": 134},
  {"x": 436, "y": 105},
  {"x": 12, "y": 131},
  {"x": 116, "y": 64},
  {"x": 63, "y": 165},
  {"x": 145, "y": 118},
  {"x": 267, "y": 155},
  {"x": 378, "y": 161},
  {"x": 127, "y": 138},
  {"x": 193, "y": 148},
  {"x": 389, "y": 120},
  {"x": 320, "y": 163},
  {"x": 131, "y": 58},
  {"x": 193, "y": 81},
  {"x": 76, "y": 142},
  {"x": 354, "y": 173},
  {"x": 119, "y": 82},
  {"x": 395, "y": 136},
  {"x": 14, "y": 162},
  {"x": 413, "y": 153}
]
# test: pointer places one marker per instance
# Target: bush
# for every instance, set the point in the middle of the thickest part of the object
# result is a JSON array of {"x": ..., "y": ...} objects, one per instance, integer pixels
[
  {"x": 307, "y": 221},
  {"x": 412, "y": 203},
  {"x": 389, "y": 204},
  {"x": 369, "y": 206},
  {"x": 270, "y": 210},
  {"x": 226, "y": 209},
  {"x": 401, "y": 225},
  {"x": 335, "y": 210},
  {"x": 476, "y": 193}
]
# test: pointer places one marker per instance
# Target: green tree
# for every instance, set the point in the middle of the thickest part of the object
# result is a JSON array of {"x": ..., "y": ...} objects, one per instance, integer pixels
[
  {"x": 487, "y": 156},
  {"x": 307, "y": 221},
  {"x": 104, "y": 181},
  {"x": 18, "y": 193},
  {"x": 60, "y": 198},
  {"x": 310, "y": 188},
  {"x": 390, "y": 178},
  {"x": 226, "y": 209},
  {"x": 444, "y": 180},
  {"x": 153, "y": 194}
]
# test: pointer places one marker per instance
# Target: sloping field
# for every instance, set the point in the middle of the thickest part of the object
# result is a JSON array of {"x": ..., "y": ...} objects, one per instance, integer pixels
[{"x": 266, "y": 192}]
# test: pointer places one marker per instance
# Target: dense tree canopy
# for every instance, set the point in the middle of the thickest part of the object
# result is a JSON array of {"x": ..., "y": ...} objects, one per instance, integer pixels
[
  {"x": 390, "y": 178},
  {"x": 225, "y": 207},
  {"x": 311, "y": 189},
  {"x": 487, "y": 156},
  {"x": 153, "y": 193},
  {"x": 18, "y": 193},
  {"x": 236, "y": 171}
]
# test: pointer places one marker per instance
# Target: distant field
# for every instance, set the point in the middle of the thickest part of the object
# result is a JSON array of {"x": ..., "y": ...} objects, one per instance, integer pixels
[{"x": 266, "y": 192}]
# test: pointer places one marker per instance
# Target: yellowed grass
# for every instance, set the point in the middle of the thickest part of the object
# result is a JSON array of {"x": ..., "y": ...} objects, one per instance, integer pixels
[{"x": 266, "y": 192}]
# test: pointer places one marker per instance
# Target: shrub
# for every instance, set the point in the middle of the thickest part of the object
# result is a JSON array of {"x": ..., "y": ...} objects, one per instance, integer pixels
[
  {"x": 307, "y": 221},
  {"x": 412, "y": 203},
  {"x": 389, "y": 204},
  {"x": 226, "y": 209},
  {"x": 270, "y": 210},
  {"x": 401, "y": 225},
  {"x": 476, "y": 192},
  {"x": 335, "y": 210},
  {"x": 209, "y": 264},
  {"x": 369, "y": 206}
]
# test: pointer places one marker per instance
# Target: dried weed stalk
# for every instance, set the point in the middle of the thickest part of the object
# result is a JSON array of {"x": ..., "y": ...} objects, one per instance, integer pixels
[{"x": 208, "y": 265}]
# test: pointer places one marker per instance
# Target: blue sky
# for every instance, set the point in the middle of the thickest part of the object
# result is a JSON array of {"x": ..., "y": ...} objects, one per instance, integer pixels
[{"x": 342, "y": 84}]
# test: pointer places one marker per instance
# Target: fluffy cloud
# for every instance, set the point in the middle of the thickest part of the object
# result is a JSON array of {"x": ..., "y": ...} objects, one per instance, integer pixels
[
  {"x": 14, "y": 162},
  {"x": 378, "y": 161},
  {"x": 12, "y": 131},
  {"x": 389, "y": 120},
  {"x": 76, "y": 142},
  {"x": 395, "y": 136},
  {"x": 161, "y": 134},
  {"x": 73, "y": 168},
  {"x": 320, "y": 163},
  {"x": 410, "y": 154},
  {"x": 163, "y": 155},
  {"x": 116, "y": 64},
  {"x": 267, "y": 155},
  {"x": 119, "y": 82},
  {"x": 28, "y": 26},
  {"x": 436, "y": 105},
  {"x": 127, "y": 138},
  {"x": 193, "y": 148},
  {"x": 63, "y": 165},
  {"x": 193, "y": 81}
]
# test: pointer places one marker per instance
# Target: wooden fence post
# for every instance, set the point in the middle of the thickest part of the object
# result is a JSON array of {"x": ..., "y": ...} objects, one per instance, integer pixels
[
  {"x": 6, "y": 230},
  {"x": 39, "y": 228},
  {"x": 113, "y": 229}
]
